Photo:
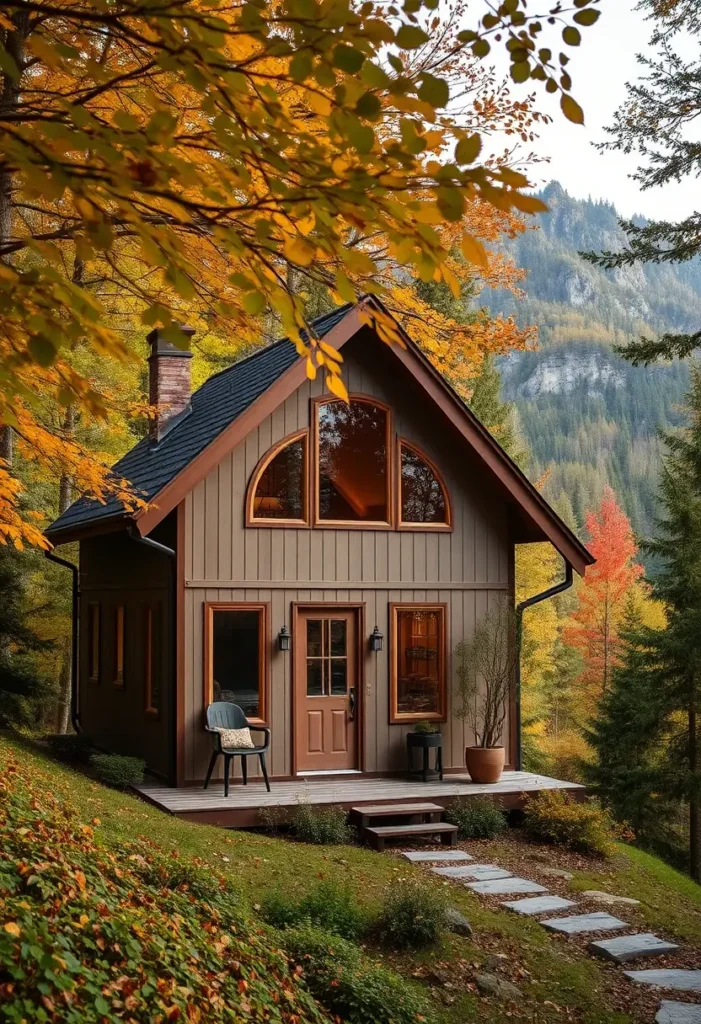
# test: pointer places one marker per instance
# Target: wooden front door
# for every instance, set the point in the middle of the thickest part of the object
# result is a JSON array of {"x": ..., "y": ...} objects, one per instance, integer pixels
[{"x": 327, "y": 693}]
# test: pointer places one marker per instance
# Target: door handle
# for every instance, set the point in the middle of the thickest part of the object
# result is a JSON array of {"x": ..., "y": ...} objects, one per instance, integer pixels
[{"x": 351, "y": 701}]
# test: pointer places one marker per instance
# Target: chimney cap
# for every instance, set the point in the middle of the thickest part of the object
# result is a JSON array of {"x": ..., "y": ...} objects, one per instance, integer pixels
[{"x": 161, "y": 347}]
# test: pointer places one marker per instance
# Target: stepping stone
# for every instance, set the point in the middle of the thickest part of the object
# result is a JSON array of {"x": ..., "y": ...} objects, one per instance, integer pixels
[
  {"x": 631, "y": 947},
  {"x": 504, "y": 886},
  {"x": 678, "y": 1013},
  {"x": 477, "y": 872},
  {"x": 539, "y": 905},
  {"x": 683, "y": 981},
  {"x": 607, "y": 897},
  {"x": 580, "y": 923},
  {"x": 427, "y": 856}
]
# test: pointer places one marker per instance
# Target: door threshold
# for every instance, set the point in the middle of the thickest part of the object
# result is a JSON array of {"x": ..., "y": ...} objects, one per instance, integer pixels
[{"x": 334, "y": 771}]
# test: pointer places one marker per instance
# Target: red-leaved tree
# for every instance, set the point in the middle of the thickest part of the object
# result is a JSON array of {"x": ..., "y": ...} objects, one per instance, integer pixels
[{"x": 593, "y": 628}]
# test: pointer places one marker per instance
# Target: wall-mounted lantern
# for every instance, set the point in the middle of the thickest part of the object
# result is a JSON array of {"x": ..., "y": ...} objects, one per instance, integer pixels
[
  {"x": 283, "y": 639},
  {"x": 376, "y": 640}
]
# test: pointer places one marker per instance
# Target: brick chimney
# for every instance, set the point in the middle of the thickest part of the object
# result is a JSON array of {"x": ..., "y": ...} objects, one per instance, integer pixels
[{"x": 169, "y": 381}]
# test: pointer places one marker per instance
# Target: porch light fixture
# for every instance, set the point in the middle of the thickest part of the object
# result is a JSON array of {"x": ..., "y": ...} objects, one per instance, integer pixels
[
  {"x": 376, "y": 640},
  {"x": 283, "y": 639}
]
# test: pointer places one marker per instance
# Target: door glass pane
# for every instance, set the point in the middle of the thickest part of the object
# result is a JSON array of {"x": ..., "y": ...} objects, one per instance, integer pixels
[
  {"x": 339, "y": 677},
  {"x": 315, "y": 686},
  {"x": 338, "y": 637},
  {"x": 314, "y": 647},
  {"x": 236, "y": 672}
]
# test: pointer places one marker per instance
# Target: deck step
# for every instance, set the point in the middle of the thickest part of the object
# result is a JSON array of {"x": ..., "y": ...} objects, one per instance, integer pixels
[
  {"x": 379, "y": 834},
  {"x": 417, "y": 811}
]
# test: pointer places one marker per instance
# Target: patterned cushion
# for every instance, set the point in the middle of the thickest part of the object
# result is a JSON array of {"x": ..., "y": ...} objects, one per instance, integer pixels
[{"x": 235, "y": 739}]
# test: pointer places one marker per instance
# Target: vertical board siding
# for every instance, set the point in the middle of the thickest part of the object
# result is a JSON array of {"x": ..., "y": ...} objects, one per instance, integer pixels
[{"x": 219, "y": 551}]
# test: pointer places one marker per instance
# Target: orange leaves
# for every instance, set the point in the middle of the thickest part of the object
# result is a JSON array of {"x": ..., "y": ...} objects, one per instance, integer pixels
[{"x": 12, "y": 928}]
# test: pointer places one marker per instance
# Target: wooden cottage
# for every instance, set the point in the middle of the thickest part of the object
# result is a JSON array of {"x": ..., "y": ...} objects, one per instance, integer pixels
[{"x": 276, "y": 509}]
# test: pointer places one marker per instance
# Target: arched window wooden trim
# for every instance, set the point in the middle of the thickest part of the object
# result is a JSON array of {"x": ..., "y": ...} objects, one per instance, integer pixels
[
  {"x": 251, "y": 518},
  {"x": 402, "y": 442},
  {"x": 335, "y": 524}
]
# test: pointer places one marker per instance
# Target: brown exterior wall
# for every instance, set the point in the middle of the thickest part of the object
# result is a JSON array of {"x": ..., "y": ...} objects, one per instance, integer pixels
[
  {"x": 223, "y": 561},
  {"x": 115, "y": 570}
]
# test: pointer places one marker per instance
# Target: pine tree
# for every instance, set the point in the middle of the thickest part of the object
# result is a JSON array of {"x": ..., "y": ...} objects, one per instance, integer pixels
[
  {"x": 628, "y": 734},
  {"x": 654, "y": 121},
  {"x": 650, "y": 720}
]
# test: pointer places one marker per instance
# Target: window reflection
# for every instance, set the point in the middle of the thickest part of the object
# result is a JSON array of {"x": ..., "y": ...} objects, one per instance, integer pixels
[
  {"x": 352, "y": 462},
  {"x": 423, "y": 499},
  {"x": 419, "y": 662},
  {"x": 281, "y": 488}
]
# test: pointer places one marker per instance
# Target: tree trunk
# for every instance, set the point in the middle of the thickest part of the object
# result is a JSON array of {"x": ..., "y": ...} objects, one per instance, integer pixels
[
  {"x": 694, "y": 808},
  {"x": 65, "y": 496}
]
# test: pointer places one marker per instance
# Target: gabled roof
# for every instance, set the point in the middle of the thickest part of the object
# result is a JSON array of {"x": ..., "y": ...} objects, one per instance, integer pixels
[
  {"x": 232, "y": 403},
  {"x": 220, "y": 400}
]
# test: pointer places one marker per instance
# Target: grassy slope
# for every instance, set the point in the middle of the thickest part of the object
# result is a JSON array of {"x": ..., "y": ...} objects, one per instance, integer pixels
[{"x": 552, "y": 976}]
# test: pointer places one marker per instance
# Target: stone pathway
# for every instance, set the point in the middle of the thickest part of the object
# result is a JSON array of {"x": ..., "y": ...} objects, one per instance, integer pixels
[
  {"x": 491, "y": 880},
  {"x": 678, "y": 1013}
]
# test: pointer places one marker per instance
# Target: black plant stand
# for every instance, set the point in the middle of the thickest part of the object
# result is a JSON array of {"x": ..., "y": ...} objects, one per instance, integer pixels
[{"x": 425, "y": 741}]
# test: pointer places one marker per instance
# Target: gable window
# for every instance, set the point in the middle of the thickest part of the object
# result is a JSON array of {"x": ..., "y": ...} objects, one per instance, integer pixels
[
  {"x": 418, "y": 660},
  {"x": 152, "y": 661},
  {"x": 423, "y": 498},
  {"x": 94, "y": 642},
  {"x": 118, "y": 678},
  {"x": 278, "y": 491},
  {"x": 353, "y": 473},
  {"x": 235, "y": 656}
]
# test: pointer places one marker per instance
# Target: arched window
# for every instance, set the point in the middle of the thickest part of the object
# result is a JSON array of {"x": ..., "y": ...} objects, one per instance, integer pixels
[
  {"x": 278, "y": 491},
  {"x": 423, "y": 498},
  {"x": 353, "y": 451}
]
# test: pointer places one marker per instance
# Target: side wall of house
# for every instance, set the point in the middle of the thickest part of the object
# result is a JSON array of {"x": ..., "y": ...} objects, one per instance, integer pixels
[
  {"x": 115, "y": 571},
  {"x": 467, "y": 568}
]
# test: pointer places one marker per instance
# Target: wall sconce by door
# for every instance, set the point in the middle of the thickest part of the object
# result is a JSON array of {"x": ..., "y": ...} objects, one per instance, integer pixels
[
  {"x": 283, "y": 639},
  {"x": 376, "y": 640}
]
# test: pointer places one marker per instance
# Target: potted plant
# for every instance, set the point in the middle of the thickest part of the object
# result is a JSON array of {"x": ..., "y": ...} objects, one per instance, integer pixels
[
  {"x": 425, "y": 727},
  {"x": 486, "y": 673}
]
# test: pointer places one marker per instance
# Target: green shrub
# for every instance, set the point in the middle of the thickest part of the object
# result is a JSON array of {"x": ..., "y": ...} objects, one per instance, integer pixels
[
  {"x": 554, "y": 817},
  {"x": 115, "y": 770},
  {"x": 325, "y": 826},
  {"x": 476, "y": 819},
  {"x": 349, "y": 983},
  {"x": 74, "y": 747},
  {"x": 327, "y": 905},
  {"x": 412, "y": 916}
]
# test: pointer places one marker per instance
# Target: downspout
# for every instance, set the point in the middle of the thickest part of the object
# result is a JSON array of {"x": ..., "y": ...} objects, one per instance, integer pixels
[
  {"x": 163, "y": 549},
  {"x": 75, "y": 712},
  {"x": 559, "y": 588}
]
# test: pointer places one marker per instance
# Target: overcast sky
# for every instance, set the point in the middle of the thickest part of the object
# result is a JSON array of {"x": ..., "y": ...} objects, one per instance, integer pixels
[{"x": 600, "y": 69}]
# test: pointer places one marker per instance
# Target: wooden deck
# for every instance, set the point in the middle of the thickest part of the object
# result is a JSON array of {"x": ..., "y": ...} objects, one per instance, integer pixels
[{"x": 241, "y": 808}]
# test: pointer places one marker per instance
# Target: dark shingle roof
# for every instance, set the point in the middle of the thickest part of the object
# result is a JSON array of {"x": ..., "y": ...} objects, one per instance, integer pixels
[{"x": 215, "y": 405}]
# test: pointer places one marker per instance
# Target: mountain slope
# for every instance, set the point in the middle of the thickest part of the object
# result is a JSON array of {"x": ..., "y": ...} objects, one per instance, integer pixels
[{"x": 589, "y": 417}]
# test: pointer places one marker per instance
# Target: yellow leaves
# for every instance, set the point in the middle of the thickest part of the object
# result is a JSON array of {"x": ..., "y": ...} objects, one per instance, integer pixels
[
  {"x": 299, "y": 251},
  {"x": 571, "y": 109},
  {"x": 336, "y": 386},
  {"x": 473, "y": 250},
  {"x": 12, "y": 928}
]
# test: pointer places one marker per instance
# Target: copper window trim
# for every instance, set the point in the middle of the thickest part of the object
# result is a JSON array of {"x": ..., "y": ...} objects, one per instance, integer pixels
[
  {"x": 263, "y": 609},
  {"x": 250, "y": 518},
  {"x": 342, "y": 524},
  {"x": 119, "y": 645},
  {"x": 395, "y": 608},
  {"x": 447, "y": 526}
]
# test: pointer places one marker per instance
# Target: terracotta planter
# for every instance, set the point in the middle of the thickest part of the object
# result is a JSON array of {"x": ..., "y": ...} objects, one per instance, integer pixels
[{"x": 485, "y": 764}]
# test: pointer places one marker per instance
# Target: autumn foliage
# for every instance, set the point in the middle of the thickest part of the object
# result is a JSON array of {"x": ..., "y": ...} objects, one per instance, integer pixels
[
  {"x": 594, "y": 627},
  {"x": 89, "y": 933},
  {"x": 203, "y": 161}
]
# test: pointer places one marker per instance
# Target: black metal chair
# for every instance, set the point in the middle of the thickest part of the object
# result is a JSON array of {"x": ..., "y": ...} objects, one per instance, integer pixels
[{"x": 223, "y": 715}]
